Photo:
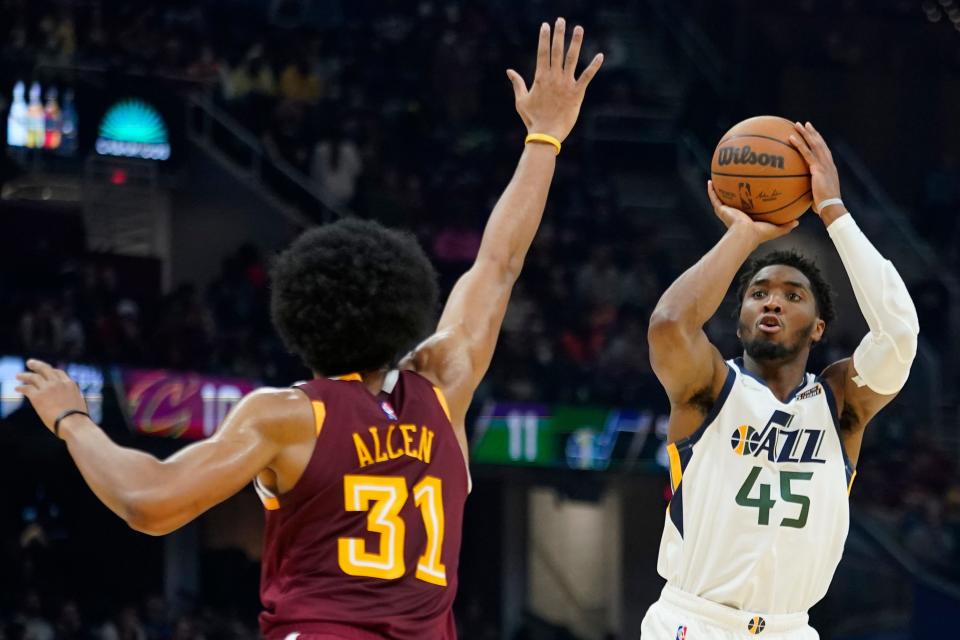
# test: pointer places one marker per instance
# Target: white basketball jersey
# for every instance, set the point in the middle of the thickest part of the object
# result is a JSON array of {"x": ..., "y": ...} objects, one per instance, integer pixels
[{"x": 759, "y": 514}]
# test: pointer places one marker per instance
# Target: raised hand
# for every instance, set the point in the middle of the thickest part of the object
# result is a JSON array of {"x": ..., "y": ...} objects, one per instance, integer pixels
[
  {"x": 50, "y": 391},
  {"x": 730, "y": 217},
  {"x": 824, "y": 178},
  {"x": 552, "y": 104}
]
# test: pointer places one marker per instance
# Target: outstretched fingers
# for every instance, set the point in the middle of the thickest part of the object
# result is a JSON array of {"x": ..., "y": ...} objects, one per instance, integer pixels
[
  {"x": 714, "y": 200},
  {"x": 556, "y": 52},
  {"x": 590, "y": 71},
  {"x": 28, "y": 379},
  {"x": 543, "y": 50},
  {"x": 783, "y": 229},
  {"x": 719, "y": 208},
  {"x": 573, "y": 53},
  {"x": 519, "y": 86},
  {"x": 799, "y": 140},
  {"x": 816, "y": 141},
  {"x": 41, "y": 368}
]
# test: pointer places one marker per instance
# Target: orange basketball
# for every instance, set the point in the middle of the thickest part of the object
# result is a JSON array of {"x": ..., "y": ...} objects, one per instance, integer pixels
[{"x": 757, "y": 170}]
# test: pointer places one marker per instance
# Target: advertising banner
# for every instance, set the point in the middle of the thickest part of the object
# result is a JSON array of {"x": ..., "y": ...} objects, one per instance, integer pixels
[
  {"x": 177, "y": 404},
  {"x": 569, "y": 436}
]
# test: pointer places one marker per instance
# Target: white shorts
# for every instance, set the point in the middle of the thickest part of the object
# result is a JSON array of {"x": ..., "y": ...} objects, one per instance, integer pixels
[{"x": 678, "y": 615}]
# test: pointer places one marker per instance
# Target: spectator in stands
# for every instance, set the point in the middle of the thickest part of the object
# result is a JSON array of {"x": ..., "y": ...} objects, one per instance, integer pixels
[
  {"x": 285, "y": 139},
  {"x": 41, "y": 329},
  {"x": 624, "y": 360},
  {"x": 59, "y": 35},
  {"x": 336, "y": 166},
  {"x": 208, "y": 68},
  {"x": 252, "y": 76},
  {"x": 599, "y": 281},
  {"x": 69, "y": 625},
  {"x": 456, "y": 83},
  {"x": 186, "y": 629},
  {"x": 125, "y": 625},
  {"x": 925, "y": 534},
  {"x": 74, "y": 339},
  {"x": 300, "y": 83},
  {"x": 30, "y": 615},
  {"x": 186, "y": 331},
  {"x": 156, "y": 618},
  {"x": 17, "y": 47}
]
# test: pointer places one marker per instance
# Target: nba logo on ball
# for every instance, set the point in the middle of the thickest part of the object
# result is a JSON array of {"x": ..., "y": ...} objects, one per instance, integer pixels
[
  {"x": 744, "y": 440},
  {"x": 756, "y": 625},
  {"x": 746, "y": 197},
  {"x": 681, "y": 633}
]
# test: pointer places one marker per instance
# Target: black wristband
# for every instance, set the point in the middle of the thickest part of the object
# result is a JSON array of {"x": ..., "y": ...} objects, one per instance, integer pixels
[{"x": 65, "y": 414}]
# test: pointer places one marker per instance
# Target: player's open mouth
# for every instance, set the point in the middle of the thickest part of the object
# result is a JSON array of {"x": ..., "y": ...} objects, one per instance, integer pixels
[{"x": 769, "y": 324}]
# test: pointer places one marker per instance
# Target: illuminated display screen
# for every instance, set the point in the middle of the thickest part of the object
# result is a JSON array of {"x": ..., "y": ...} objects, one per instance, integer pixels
[
  {"x": 42, "y": 118},
  {"x": 89, "y": 378},
  {"x": 569, "y": 436},
  {"x": 133, "y": 129}
]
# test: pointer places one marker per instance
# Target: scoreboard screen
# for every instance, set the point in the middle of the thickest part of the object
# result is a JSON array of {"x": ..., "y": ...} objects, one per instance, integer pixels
[{"x": 569, "y": 436}]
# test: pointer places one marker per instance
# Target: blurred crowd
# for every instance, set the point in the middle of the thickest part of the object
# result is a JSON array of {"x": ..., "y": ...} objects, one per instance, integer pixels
[
  {"x": 335, "y": 96},
  {"x": 62, "y": 618},
  {"x": 910, "y": 486},
  {"x": 81, "y": 310}
]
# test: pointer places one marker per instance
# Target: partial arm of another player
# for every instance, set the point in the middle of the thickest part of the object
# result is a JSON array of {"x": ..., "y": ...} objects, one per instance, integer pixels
[
  {"x": 158, "y": 496},
  {"x": 459, "y": 353},
  {"x": 684, "y": 360},
  {"x": 880, "y": 365}
]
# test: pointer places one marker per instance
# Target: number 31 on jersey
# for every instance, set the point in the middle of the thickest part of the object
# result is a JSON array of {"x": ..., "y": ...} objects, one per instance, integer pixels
[{"x": 383, "y": 497}]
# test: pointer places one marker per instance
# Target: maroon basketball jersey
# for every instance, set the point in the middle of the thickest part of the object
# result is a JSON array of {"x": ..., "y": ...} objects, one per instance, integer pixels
[{"x": 366, "y": 545}]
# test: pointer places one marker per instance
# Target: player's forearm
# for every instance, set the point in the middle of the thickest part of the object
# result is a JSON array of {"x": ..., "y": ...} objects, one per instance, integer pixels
[
  {"x": 117, "y": 475},
  {"x": 884, "y": 356},
  {"x": 516, "y": 217},
  {"x": 696, "y": 295}
]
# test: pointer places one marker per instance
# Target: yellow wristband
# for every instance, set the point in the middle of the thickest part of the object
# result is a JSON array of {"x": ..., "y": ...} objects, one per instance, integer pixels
[{"x": 543, "y": 137}]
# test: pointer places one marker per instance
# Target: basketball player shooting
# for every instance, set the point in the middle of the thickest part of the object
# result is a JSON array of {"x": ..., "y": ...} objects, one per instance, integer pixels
[
  {"x": 762, "y": 453},
  {"x": 362, "y": 470}
]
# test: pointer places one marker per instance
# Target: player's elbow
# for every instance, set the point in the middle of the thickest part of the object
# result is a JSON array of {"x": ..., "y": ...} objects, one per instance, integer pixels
[
  {"x": 665, "y": 326},
  {"x": 149, "y": 528},
  {"x": 883, "y": 360},
  {"x": 146, "y": 514}
]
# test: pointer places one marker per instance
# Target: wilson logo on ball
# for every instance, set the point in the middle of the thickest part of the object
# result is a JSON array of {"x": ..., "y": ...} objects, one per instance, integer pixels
[{"x": 745, "y": 155}]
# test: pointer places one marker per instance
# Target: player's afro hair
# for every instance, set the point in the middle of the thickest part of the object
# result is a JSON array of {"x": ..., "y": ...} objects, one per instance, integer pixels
[
  {"x": 352, "y": 296},
  {"x": 822, "y": 291}
]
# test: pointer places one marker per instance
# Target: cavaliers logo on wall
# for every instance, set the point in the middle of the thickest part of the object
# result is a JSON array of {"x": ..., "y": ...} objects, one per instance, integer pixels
[{"x": 179, "y": 405}]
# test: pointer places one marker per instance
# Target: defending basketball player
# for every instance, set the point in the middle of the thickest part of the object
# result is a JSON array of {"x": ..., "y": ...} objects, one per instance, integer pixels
[
  {"x": 362, "y": 470},
  {"x": 762, "y": 453}
]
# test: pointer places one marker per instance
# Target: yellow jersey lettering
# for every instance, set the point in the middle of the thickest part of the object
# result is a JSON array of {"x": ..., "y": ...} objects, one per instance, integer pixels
[
  {"x": 363, "y": 454},
  {"x": 379, "y": 456},
  {"x": 382, "y": 446},
  {"x": 393, "y": 453},
  {"x": 426, "y": 444},
  {"x": 406, "y": 431}
]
